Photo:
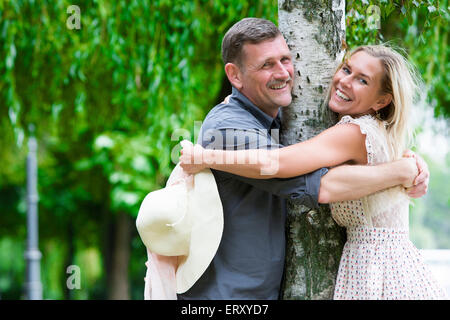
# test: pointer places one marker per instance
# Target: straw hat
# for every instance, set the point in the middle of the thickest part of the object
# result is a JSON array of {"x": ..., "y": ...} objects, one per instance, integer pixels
[{"x": 184, "y": 221}]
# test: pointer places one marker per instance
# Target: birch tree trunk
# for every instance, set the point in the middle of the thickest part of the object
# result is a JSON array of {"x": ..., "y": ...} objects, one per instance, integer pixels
[{"x": 314, "y": 31}]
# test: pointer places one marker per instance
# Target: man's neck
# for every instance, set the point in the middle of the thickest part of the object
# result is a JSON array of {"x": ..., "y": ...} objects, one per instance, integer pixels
[{"x": 271, "y": 112}]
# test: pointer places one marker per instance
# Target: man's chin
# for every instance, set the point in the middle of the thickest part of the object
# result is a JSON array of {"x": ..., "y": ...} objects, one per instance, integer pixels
[{"x": 285, "y": 102}]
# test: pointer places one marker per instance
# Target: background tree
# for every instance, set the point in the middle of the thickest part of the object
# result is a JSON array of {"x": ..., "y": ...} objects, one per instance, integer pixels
[{"x": 315, "y": 32}]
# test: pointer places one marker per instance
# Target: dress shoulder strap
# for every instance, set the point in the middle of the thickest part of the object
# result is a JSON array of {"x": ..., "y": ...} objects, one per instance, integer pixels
[{"x": 376, "y": 140}]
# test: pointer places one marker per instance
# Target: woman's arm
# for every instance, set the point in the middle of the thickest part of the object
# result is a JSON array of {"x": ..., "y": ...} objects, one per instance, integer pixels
[
  {"x": 356, "y": 181},
  {"x": 337, "y": 145}
]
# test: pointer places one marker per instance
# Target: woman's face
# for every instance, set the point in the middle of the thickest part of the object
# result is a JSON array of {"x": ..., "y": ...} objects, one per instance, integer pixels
[{"x": 356, "y": 86}]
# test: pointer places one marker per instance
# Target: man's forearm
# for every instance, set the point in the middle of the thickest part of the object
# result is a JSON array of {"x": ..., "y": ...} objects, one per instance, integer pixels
[{"x": 351, "y": 182}]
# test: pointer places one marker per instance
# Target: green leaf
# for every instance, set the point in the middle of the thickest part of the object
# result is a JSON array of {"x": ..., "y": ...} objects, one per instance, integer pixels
[{"x": 11, "y": 57}]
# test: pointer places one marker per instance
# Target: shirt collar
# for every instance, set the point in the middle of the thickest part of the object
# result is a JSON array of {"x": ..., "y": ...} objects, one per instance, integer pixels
[{"x": 267, "y": 121}]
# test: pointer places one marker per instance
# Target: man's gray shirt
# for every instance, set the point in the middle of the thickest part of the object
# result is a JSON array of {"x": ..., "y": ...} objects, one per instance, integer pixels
[{"x": 249, "y": 262}]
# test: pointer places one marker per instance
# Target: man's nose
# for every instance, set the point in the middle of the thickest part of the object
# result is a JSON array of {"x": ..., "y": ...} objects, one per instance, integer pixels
[{"x": 282, "y": 71}]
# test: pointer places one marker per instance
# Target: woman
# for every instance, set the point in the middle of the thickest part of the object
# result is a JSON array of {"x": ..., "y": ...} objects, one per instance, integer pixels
[{"x": 371, "y": 94}]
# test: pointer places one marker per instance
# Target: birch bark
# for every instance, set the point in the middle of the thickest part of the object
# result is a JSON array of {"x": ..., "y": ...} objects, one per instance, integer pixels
[{"x": 314, "y": 31}]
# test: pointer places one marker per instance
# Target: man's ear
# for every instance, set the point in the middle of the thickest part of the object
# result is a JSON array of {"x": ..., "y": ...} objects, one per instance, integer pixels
[
  {"x": 234, "y": 75},
  {"x": 383, "y": 102}
]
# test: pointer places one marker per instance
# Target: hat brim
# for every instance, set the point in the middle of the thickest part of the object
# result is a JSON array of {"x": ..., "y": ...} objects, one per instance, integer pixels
[{"x": 206, "y": 214}]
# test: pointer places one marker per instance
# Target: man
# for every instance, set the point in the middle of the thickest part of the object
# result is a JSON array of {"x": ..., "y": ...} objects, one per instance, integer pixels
[{"x": 250, "y": 259}]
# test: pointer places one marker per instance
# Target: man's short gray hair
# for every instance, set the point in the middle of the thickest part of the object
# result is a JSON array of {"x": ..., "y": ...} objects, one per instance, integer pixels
[{"x": 247, "y": 30}]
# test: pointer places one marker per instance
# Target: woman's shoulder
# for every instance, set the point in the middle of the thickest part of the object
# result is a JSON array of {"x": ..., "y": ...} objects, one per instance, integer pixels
[
  {"x": 375, "y": 132},
  {"x": 366, "y": 122},
  {"x": 367, "y": 118}
]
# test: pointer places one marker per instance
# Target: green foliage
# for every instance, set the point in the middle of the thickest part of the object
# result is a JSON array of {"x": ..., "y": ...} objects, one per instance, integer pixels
[
  {"x": 428, "y": 29},
  {"x": 430, "y": 223},
  {"x": 109, "y": 103},
  {"x": 12, "y": 268}
]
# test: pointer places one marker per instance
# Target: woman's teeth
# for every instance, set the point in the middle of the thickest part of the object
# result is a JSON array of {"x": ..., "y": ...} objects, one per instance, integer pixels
[{"x": 341, "y": 95}]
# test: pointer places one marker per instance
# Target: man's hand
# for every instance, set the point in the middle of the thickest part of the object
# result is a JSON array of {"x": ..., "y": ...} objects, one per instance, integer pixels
[
  {"x": 191, "y": 159},
  {"x": 420, "y": 184},
  {"x": 178, "y": 175}
]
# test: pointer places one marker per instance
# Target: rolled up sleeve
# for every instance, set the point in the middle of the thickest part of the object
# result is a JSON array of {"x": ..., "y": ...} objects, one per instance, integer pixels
[{"x": 302, "y": 190}]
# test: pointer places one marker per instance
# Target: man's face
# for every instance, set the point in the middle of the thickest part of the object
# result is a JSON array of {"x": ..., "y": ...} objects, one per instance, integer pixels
[{"x": 267, "y": 74}]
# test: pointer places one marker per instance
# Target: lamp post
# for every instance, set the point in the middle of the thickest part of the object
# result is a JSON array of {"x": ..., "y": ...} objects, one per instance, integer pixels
[{"x": 32, "y": 253}]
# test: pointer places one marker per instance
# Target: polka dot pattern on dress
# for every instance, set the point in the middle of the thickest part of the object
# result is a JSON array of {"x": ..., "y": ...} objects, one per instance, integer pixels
[{"x": 378, "y": 260}]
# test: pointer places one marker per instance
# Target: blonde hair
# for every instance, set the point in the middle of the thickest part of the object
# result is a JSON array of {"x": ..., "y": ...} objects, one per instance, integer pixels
[{"x": 402, "y": 81}]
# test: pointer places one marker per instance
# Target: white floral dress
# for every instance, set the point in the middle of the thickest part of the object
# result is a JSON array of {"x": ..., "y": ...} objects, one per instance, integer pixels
[{"x": 378, "y": 260}]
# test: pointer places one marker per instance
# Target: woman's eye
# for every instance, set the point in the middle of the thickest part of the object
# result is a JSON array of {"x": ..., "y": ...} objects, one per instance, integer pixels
[
  {"x": 363, "y": 81},
  {"x": 346, "y": 70}
]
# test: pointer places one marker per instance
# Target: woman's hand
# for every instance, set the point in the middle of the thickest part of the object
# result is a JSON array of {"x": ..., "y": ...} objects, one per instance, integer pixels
[
  {"x": 410, "y": 171},
  {"x": 420, "y": 185},
  {"x": 191, "y": 158},
  {"x": 227, "y": 99}
]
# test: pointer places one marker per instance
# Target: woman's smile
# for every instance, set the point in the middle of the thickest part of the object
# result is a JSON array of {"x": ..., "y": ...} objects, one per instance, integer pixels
[{"x": 356, "y": 86}]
